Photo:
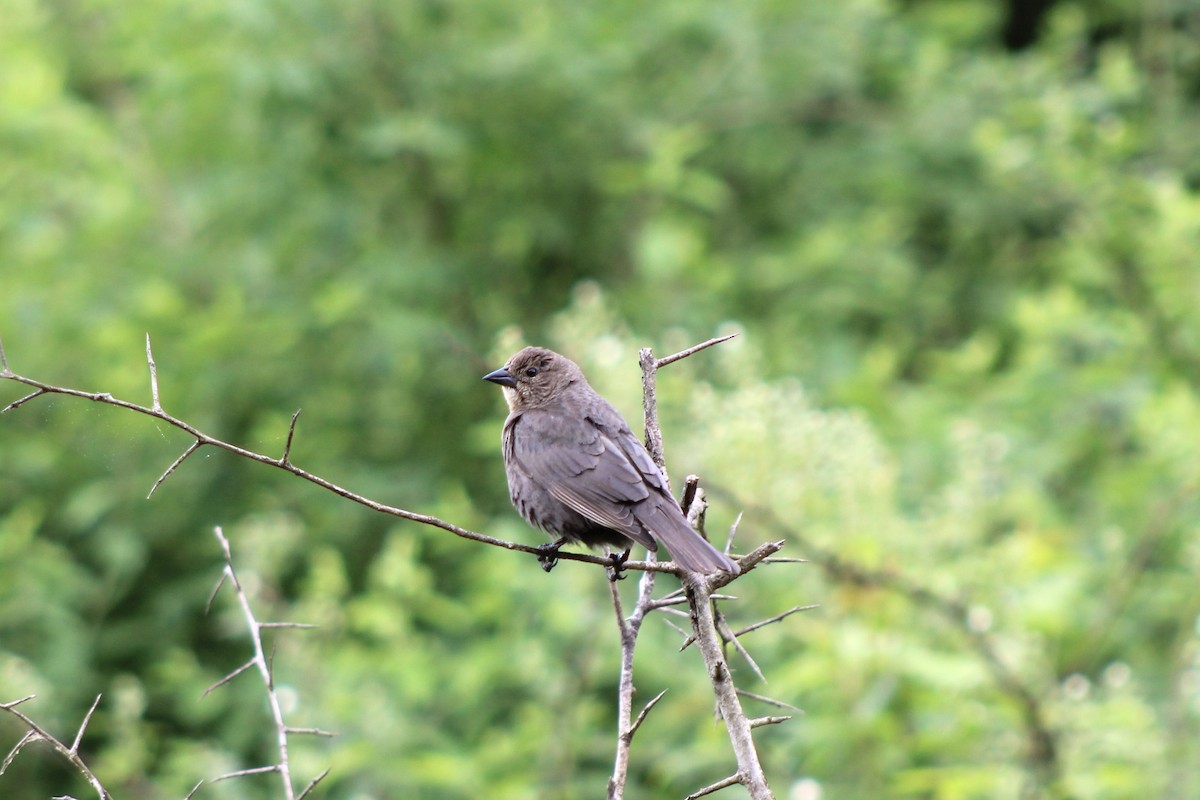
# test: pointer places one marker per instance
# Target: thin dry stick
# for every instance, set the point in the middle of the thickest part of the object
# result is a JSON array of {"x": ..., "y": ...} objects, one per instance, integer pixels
[
  {"x": 762, "y": 698},
  {"x": 312, "y": 785},
  {"x": 157, "y": 406},
  {"x": 729, "y": 636},
  {"x": 671, "y": 359},
  {"x": 715, "y": 787},
  {"x": 37, "y": 732},
  {"x": 759, "y": 722},
  {"x": 699, "y": 591},
  {"x": 627, "y": 726},
  {"x": 200, "y": 439},
  {"x": 750, "y": 773},
  {"x": 263, "y": 663},
  {"x": 631, "y": 626},
  {"x": 776, "y": 618}
]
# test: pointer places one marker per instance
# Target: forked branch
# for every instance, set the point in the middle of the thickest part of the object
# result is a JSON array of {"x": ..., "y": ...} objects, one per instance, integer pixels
[{"x": 284, "y": 462}]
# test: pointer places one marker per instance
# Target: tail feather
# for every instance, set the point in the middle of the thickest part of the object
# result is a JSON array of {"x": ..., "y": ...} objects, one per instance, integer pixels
[{"x": 691, "y": 550}]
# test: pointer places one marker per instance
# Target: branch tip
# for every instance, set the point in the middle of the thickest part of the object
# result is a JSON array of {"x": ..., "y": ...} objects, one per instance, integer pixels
[
  {"x": 311, "y": 732},
  {"x": 733, "y": 529},
  {"x": 762, "y": 721},
  {"x": 241, "y": 773},
  {"x": 637, "y": 723},
  {"x": 312, "y": 785},
  {"x": 83, "y": 725},
  {"x": 30, "y": 736},
  {"x": 22, "y": 401},
  {"x": 156, "y": 405},
  {"x": 15, "y": 703},
  {"x": 715, "y": 787},
  {"x": 762, "y": 698},
  {"x": 682, "y": 354},
  {"x": 287, "y": 447},
  {"x": 228, "y": 678},
  {"x": 213, "y": 594},
  {"x": 776, "y": 618},
  {"x": 174, "y": 466}
]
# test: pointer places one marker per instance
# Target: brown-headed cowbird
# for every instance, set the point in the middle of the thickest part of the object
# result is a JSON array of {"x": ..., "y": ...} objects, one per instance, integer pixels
[{"x": 576, "y": 470}]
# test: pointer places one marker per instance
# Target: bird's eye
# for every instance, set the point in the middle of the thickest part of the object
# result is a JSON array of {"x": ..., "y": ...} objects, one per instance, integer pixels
[{"x": 531, "y": 371}]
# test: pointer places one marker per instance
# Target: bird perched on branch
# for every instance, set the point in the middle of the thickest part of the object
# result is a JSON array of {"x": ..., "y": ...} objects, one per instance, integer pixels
[{"x": 576, "y": 470}]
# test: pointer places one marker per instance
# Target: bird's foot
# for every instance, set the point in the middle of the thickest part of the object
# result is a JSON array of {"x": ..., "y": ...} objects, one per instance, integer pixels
[
  {"x": 548, "y": 554},
  {"x": 618, "y": 561}
]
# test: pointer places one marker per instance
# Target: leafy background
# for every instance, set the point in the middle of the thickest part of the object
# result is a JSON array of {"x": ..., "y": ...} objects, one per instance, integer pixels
[{"x": 958, "y": 239}]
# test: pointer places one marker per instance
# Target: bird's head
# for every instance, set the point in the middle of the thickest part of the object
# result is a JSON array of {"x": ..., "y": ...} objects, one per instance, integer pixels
[{"x": 535, "y": 377}]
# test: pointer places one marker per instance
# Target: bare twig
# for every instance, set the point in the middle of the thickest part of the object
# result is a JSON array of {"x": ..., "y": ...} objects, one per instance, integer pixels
[
  {"x": 157, "y": 406},
  {"x": 263, "y": 663},
  {"x": 733, "y": 529},
  {"x": 654, "y": 440},
  {"x": 699, "y": 590},
  {"x": 287, "y": 447},
  {"x": 22, "y": 401},
  {"x": 29, "y": 736},
  {"x": 248, "y": 665},
  {"x": 776, "y": 618},
  {"x": 312, "y": 785},
  {"x": 728, "y": 635},
  {"x": 626, "y": 725},
  {"x": 285, "y": 463},
  {"x": 312, "y": 732},
  {"x": 750, "y": 772},
  {"x": 631, "y": 626},
  {"x": 682, "y": 354},
  {"x": 174, "y": 466},
  {"x": 83, "y": 725},
  {"x": 637, "y": 723},
  {"x": 36, "y": 732},
  {"x": 762, "y": 698},
  {"x": 715, "y": 787},
  {"x": 700, "y": 593},
  {"x": 213, "y": 594},
  {"x": 242, "y": 773},
  {"x": 761, "y": 721}
]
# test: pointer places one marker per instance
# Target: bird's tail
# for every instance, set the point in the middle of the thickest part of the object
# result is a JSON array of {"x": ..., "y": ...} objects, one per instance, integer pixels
[{"x": 691, "y": 550}]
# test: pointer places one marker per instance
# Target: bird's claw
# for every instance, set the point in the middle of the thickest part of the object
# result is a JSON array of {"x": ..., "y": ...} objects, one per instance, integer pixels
[
  {"x": 548, "y": 554},
  {"x": 618, "y": 561}
]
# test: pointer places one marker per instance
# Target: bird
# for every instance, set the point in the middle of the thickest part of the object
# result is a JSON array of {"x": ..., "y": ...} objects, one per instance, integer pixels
[{"x": 576, "y": 470}]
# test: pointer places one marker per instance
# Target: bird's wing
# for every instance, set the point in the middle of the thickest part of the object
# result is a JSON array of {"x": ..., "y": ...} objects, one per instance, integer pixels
[
  {"x": 658, "y": 512},
  {"x": 587, "y": 467}
]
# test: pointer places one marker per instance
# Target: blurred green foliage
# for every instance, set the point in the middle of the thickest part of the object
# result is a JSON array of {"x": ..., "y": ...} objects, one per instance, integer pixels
[{"x": 965, "y": 279}]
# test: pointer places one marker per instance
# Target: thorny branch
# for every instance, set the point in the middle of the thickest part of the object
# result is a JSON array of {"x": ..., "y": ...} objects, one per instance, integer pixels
[
  {"x": 284, "y": 462},
  {"x": 712, "y": 634},
  {"x": 262, "y": 663},
  {"x": 36, "y": 733},
  {"x": 707, "y": 628}
]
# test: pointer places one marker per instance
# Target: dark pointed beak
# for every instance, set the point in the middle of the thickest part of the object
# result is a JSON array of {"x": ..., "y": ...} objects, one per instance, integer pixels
[{"x": 501, "y": 376}]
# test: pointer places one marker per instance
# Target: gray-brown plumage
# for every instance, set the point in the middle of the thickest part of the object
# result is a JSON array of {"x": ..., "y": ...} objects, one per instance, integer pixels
[{"x": 576, "y": 470}]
